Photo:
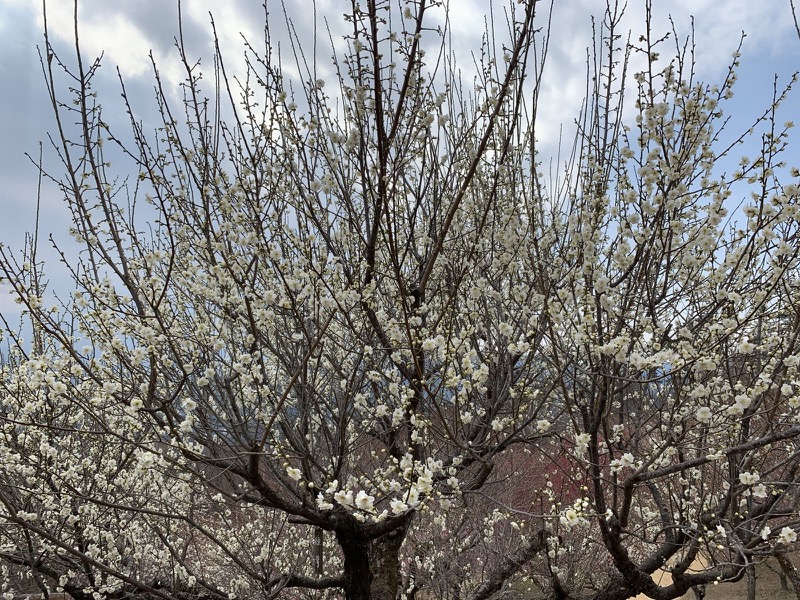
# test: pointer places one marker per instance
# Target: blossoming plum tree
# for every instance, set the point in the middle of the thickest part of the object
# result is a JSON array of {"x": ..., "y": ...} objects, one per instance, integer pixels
[{"x": 342, "y": 337}]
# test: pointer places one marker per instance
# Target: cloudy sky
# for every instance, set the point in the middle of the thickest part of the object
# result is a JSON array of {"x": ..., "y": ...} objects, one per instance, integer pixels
[{"x": 126, "y": 31}]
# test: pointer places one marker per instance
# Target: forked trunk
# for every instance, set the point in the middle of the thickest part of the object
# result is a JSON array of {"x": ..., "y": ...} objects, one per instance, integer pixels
[{"x": 372, "y": 567}]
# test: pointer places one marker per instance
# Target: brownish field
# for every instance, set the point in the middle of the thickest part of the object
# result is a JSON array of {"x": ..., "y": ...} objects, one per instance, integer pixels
[{"x": 768, "y": 586}]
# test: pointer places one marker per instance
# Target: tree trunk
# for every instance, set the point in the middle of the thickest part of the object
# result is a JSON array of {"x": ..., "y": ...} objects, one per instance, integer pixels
[
  {"x": 751, "y": 582},
  {"x": 790, "y": 571},
  {"x": 384, "y": 554},
  {"x": 371, "y": 567},
  {"x": 319, "y": 551},
  {"x": 356, "y": 566}
]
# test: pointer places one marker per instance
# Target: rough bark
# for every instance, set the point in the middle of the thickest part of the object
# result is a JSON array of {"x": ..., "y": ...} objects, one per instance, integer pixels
[
  {"x": 371, "y": 567},
  {"x": 319, "y": 551},
  {"x": 357, "y": 576},
  {"x": 699, "y": 591},
  {"x": 751, "y": 582},
  {"x": 790, "y": 571},
  {"x": 384, "y": 555}
]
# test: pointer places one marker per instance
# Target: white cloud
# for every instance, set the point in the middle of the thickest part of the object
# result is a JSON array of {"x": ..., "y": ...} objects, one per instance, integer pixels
[
  {"x": 126, "y": 30},
  {"x": 102, "y": 32}
]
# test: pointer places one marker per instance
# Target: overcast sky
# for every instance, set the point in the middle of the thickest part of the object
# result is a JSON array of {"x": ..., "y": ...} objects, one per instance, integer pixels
[{"x": 127, "y": 30}]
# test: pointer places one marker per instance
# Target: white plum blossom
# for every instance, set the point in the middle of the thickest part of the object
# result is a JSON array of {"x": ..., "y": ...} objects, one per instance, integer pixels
[
  {"x": 322, "y": 503},
  {"x": 59, "y": 388},
  {"x": 364, "y": 501},
  {"x": 703, "y": 414},
  {"x": 570, "y": 518},
  {"x": 623, "y": 462},
  {"x": 398, "y": 506},
  {"x": 582, "y": 443},
  {"x": 749, "y": 478},
  {"x": 746, "y": 347},
  {"x": 787, "y": 535},
  {"x": 425, "y": 482},
  {"x": 760, "y": 491},
  {"x": 344, "y": 497},
  {"x": 294, "y": 473},
  {"x": 741, "y": 403}
]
